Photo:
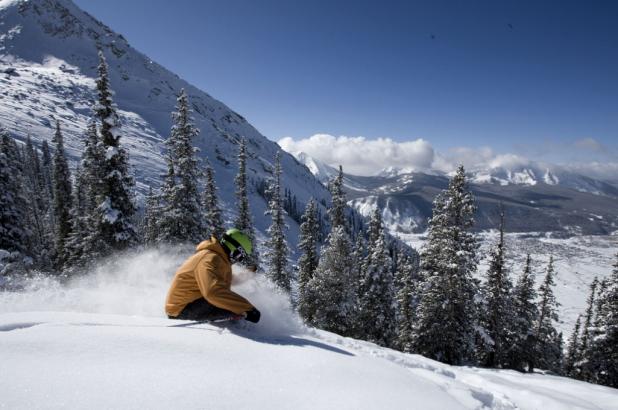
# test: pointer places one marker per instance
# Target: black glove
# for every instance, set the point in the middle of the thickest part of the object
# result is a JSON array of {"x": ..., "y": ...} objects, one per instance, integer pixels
[{"x": 253, "y": 315}]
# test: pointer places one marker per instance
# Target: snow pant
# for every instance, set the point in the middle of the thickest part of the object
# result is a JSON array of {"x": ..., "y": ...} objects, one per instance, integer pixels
[{"x": 201, "y": 309}]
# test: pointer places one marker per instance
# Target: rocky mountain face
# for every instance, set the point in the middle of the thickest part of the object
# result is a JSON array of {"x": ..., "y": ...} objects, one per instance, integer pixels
[
  {"x": 48, "y": 60},
  {"x": 563, "y": 203}
]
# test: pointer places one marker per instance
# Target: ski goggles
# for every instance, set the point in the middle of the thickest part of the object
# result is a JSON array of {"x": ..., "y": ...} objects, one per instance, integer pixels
[{"x": 238, "y": 254}]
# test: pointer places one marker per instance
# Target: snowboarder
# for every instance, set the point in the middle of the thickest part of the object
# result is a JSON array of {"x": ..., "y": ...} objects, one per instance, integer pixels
[{"x": 201, "y": 290}]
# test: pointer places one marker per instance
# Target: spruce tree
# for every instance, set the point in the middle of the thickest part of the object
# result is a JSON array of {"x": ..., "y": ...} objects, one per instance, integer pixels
[
  {"x": 332, "y": 298},
  {"x": 47, "y": 170},
  {"x": 244, "y": 221},
  {"x": 589, "y": 316},
  {"x": 447, "y": 314},
  {"x": 573, "y": 352},
  {"x": 79, "y": 220},
  {"x": 113, "y": 227},
  {"x": 151, "y": 216},
  {"x": 522, "y": 354},
  {"x": 407, "y": 299},
  {"x": 63, "y": 200},
  {"x": 336, "y": 212},
  {"x": 498, "y": 306},
  {"x": 548, "y": 354},
  {"x": 14, "y": 234},
  {"x": 182, "y": 219},
  {"x": 277, "y": 247},
  {"x": 376, "y": 305},
  {"x": 603, "y": 350},
  {"x": 212, "y": 210},
  {"x": 38, "y": 207},
  {"x": 309, "y": 258}
]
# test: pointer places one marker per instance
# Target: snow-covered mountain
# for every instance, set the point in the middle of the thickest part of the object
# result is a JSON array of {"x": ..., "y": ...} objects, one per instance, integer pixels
[
  {"x": 48, "y": 59},
  {"x": 530, "y": 174},
  {"x": 101, "y": 341},
  {"x": 561, "y": 202}
]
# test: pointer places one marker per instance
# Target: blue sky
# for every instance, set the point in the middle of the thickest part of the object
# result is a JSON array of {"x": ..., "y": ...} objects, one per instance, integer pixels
[{"x": 530, "y": 77}]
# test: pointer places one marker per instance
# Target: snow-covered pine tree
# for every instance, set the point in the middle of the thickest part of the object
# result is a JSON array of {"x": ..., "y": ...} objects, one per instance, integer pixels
[
  {"x": 332, "y": 298},
  {"x": 47, "y": 170},
  {"x": 447, "y": 314},
  {"x": 113, "y": 222},
  {"x": 521, "y": 354},
  {"x": 14, "y": 234},
  {"x": 277, "y": 247},
  {"x": 573, "y": 352},
  {"x": 336, "y": 212},
  {"x": 407, "y": 299},
  {"x": 38, "y": 207},
  {"x": 547, "y": 350},
  {"x": 587, "y": 329},
  {"x": 244, "y": 221},
  {"x": 498, "y": 306},
  {"x": 309, "y": 258},
  {"x": 63, "y": 199},
  {"x": 182, "y": 218},
  {"x": 376, "y": 304},
  {"x": 85, "y": 241},
  {"x": 150, "y": 224},
  {"x": 603, "y": 350},
  {"x": 212, "y": 210}
]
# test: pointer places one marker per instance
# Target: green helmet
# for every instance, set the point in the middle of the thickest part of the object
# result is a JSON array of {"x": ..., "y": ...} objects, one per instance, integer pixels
[{"x": 234, "y": 238}]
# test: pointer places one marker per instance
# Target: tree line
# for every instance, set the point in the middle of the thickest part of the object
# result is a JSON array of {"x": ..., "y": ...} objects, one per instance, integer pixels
[{"x": 437, "y": 307}]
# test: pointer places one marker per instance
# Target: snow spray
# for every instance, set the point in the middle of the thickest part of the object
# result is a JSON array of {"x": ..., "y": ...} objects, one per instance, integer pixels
[{"x": 136, "y": 283}]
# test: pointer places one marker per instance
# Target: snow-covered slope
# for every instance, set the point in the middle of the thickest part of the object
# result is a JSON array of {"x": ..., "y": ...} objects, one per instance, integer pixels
[
  {"x": 102, "y": 342},
  {"x": 48, "y": 59}
]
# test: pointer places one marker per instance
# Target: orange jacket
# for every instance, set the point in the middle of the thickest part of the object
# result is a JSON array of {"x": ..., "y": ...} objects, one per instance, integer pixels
[{"x": 208, "y": 274}]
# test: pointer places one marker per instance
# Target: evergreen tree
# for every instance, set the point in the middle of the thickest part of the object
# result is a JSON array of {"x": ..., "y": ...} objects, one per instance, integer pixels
[
  {"x": 498, "y": 308},
  {"x": 244, "y": 221},
  {"x": 548, "y": 352},
  {"x": 376, "y": 312},
  {"x": 331, "y": 296},
  {"x": 14, "y": 235},
  {"x": 573, "y": 353},
  {"x": 309, "y": 259},
  {"x": 588, "y": 322},
  {"x": 521, "y": 353},
  {"x": 113, "y": 227},
  {"x": 151, "y": 216},
  {"x": 182, "y": 212},
  {"x": 277, "y": 247},
  {"x": 38, "y": 207},
  {"x": 603, "y": 350},
  {"x": 85, "y": 240},
  {"x": 447, "y": 313},
  {"x": 336, "y": 212},
  {"x": 63, "y": 200},
  {"x": 407, "y": 300},
  {"x": 214, "y": 220},
  {"x": 47, "y": 170}
]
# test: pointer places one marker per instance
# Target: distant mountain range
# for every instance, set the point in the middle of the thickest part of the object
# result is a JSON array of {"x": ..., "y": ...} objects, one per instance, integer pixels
[{"x": 535, "y": 199}]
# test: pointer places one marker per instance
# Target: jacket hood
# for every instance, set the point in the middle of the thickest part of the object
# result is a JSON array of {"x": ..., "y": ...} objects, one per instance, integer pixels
[{"x": 213, "y": 245}]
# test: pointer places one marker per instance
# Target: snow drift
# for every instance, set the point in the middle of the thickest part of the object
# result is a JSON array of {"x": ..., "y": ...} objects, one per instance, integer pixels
[{"x": 102, "y": 341}]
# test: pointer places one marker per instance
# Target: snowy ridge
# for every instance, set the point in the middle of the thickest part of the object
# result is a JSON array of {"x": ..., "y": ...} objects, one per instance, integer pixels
[
  {"x": 48, "y": 59},
  {"x": 101, "y": 341}
]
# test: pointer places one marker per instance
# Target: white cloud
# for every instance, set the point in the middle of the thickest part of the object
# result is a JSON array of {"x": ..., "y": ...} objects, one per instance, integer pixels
[{"x": 361, "y": 156}]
